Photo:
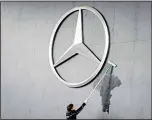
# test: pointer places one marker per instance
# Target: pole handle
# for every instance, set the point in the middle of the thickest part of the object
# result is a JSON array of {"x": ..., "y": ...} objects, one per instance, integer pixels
[{"x": 96, "y": 85}]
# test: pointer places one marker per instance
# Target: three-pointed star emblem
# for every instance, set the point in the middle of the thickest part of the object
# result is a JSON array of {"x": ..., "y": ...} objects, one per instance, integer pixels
[{"x": 78, "y": 46}]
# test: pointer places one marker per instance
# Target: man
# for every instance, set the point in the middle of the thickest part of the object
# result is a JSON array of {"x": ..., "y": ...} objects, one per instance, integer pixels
[{"x": 72, "y": 113}]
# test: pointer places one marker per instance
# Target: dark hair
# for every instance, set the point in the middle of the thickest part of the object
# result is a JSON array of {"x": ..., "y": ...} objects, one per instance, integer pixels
[{"x": 69, "y": 107}]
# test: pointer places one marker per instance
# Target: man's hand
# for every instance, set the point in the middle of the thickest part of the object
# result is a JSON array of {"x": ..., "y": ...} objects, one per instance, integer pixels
[{"x": 83, "y": 104}]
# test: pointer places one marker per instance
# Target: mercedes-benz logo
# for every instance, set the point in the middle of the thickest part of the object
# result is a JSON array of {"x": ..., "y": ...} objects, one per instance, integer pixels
[{"x": 78, "y": 46}]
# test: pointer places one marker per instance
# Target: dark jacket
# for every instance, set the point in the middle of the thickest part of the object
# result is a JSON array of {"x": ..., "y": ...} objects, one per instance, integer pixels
[{"x": 73, "y": 113}]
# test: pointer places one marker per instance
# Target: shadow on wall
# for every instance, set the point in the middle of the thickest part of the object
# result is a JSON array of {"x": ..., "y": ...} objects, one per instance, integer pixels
[{"x": 108, "y": 83}]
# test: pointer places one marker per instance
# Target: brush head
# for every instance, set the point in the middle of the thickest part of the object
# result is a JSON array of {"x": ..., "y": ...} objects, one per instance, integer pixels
[{"x": 114, "y": 65}]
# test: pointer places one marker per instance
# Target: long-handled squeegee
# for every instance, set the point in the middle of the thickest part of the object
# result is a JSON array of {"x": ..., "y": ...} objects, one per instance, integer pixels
[{"x": 111, "y": 65}]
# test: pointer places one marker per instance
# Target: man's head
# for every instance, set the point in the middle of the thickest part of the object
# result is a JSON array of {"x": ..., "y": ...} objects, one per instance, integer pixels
[{"x": 70, "y": 107}]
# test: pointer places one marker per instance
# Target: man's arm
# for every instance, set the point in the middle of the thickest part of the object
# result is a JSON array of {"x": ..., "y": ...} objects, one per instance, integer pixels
[{"x": 79, "y": 109}]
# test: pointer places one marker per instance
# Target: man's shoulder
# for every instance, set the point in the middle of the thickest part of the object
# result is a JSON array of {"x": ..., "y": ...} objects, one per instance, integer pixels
[
  {"x": 69, "y": 112},
  {"x": 72, "y": 111}
]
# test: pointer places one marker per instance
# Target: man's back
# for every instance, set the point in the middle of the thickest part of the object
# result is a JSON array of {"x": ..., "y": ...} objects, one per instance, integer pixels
[{"x": 71, "y": 114}]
